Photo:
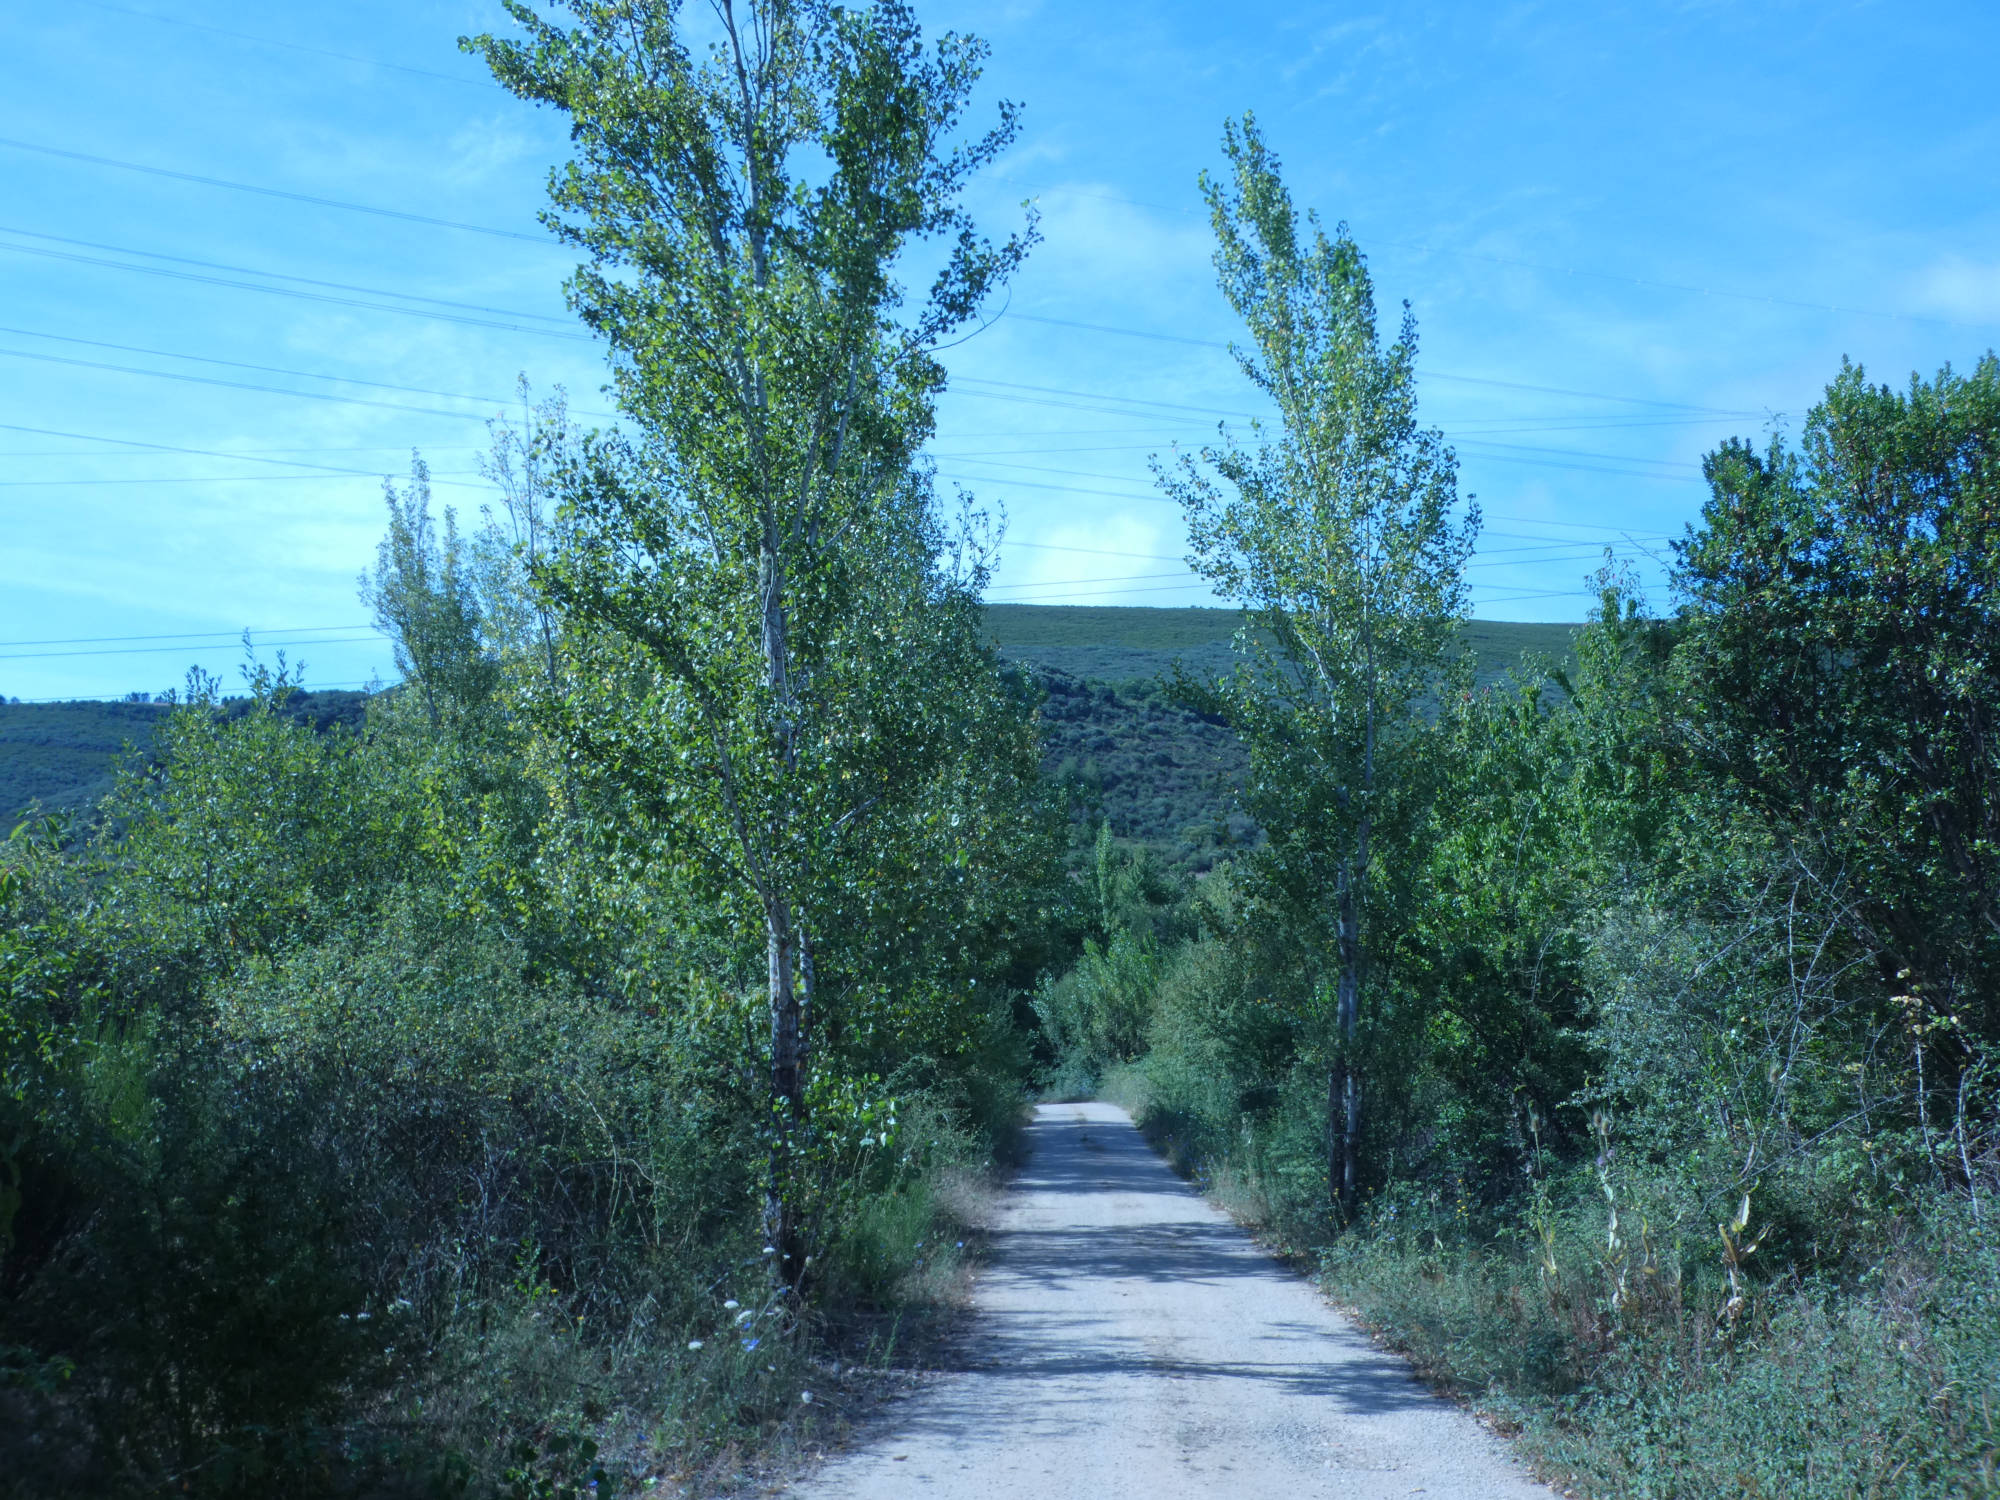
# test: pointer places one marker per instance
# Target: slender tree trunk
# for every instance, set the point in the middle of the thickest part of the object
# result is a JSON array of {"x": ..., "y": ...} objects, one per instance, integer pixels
[
  {"x": 1344, "y": 1087},
  {"x": 789, "y": 954},
  {"x": 788, "y": 1079},
  {"x": 1344, "y": 1090}
]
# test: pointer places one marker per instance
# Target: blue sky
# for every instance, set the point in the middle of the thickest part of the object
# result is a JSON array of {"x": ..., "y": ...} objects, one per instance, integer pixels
[{"x": 1627, "y": 233}]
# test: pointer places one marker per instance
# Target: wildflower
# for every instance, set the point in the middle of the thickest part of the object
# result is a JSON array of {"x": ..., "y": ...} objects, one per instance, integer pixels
[
  {"x": 694, "y": 1343},
  {"x": 749, "y": 1344},
  {"x": 732, "y": 1304},
  {"x": 362, "y": 1317},
  {"x": 770, "y": 1249},
  {"x": 805, "y": 1398}
]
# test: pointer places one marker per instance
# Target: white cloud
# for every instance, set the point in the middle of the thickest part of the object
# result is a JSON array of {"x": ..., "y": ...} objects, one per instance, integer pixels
[{"x": 1963, "y": 290}]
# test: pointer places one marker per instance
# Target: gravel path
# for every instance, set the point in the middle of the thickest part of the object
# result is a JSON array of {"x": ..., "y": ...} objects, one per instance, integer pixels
[{"x": 1130, "y": 1341}]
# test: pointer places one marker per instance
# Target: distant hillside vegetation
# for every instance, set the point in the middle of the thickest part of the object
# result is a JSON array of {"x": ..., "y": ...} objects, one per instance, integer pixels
[
  {"x": 1123, "y": 643},
  {"x": 1155, "y": 772},
  {"x": 63, "y": 757}
]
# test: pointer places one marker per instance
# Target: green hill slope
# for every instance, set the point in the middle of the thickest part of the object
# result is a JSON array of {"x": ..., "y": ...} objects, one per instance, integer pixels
[
  {"x": 1119, "y": 644},
  {"x": 1157, "y": 773},
  {"x": 63, "y": 757}
]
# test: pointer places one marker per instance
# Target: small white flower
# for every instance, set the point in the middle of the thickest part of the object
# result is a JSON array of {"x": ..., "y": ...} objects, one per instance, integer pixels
[
  {"x": 694, "y": 1343},
  {"x": 732, "y": 1304},
  {"x": 746, "y": 1316},
  {"x": 770, "y": 1249},
  {"x": 362, "y": 1317},
  {"x": 805, "y": 1398}
]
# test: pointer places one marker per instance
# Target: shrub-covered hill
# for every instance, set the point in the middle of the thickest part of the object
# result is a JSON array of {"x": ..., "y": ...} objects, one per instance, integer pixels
[
  {"x": 1119, "y": 644},
  {"x": 63, "y": 757},
  {"x": 1155, "y": 772}
]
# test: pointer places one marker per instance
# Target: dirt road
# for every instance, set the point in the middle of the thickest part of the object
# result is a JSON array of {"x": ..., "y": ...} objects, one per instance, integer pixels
[{"x": 1129, "y": 1341}]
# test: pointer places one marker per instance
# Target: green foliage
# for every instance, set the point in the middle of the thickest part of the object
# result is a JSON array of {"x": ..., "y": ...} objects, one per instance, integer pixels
[
  {"x": 1841, "y": 654},
  {"x": 1153, "y": 771},
  {"x": 246, "y": 834},
  {"x": 1880, "y": 1389}
]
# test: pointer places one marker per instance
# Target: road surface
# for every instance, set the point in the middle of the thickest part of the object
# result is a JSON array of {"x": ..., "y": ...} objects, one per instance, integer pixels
[{"x": 1128, "y": 1340}]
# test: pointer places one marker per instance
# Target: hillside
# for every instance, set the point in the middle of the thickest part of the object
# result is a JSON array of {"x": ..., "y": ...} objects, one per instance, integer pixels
[
  {"x": 63, "y": 757},
  {"x": 1155, "y": 772},
  {"x": 1158, "y": 773},
  {"x": 1123, "y": 643}
]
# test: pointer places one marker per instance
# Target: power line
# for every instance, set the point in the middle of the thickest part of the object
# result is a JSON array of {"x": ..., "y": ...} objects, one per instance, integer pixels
[
  {"x": 1455, "y": 432},
  {"x": 266, "y": 41},
  {"x": 242, "y": 385},
  {"x": 286, "y": 291},
  {"x": 271, "y": 192},
  {"x": 92, "y": 437},
  {"x": 1047, "y": 583},
  {"x": 1641, "y": 281},
  {"x": 87, "y": 453},
  {"x": 1106, "y": 594},
  {"x": 1480, "y": 444},
  {"x": 1675, "y": 286},
  {"x": 1012, "y": 385},
  {"x": 337, "y": 286},
  {"x": 1425, "y": 372},
  {"x": 324, "y": 687},
  {"x": 345, "y": 640},
  {"x": 233, "y": 364},
  {"x": 181, "y": 635},
  {"x": 201, "y": 479},
  {"x": 1088, "y": 551}
]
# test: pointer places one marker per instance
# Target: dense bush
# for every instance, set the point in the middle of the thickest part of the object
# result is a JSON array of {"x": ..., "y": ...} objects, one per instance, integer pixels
[{"x": 371, "y": 1199}]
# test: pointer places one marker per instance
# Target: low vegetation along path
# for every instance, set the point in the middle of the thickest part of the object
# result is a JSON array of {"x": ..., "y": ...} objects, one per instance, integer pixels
[{"x": 1129, "y": 1340}]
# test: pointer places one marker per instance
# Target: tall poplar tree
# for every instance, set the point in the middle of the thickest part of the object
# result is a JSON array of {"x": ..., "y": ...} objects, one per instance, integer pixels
[
  {"x": 1340, "y": 536},
  {"x": 750, "y": 565}
]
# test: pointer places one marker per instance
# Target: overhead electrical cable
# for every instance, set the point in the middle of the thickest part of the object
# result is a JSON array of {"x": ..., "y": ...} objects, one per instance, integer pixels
[
  {"x": 293, "y": 292},
  {"x": 343, "y": 640},
  {"x": 234, "y": 364},
  {"x": 156, "y": 479},
  {"x": 271, "y": 192},
  {"x": 240, "y": 385},
  {"x": 1480, "y": 445},
  {"x": 182, "y": 635},
  {"x": 1571, "y": 271},
  {"x": 269, "y": 41},
  {"x": 1423, "y": 371},
  {"x": 564, "y": 319},
  {"x": 1049, "y": 583},
  {"x": 291, "y": 463},
  {"x": 324, "y": 687}
]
